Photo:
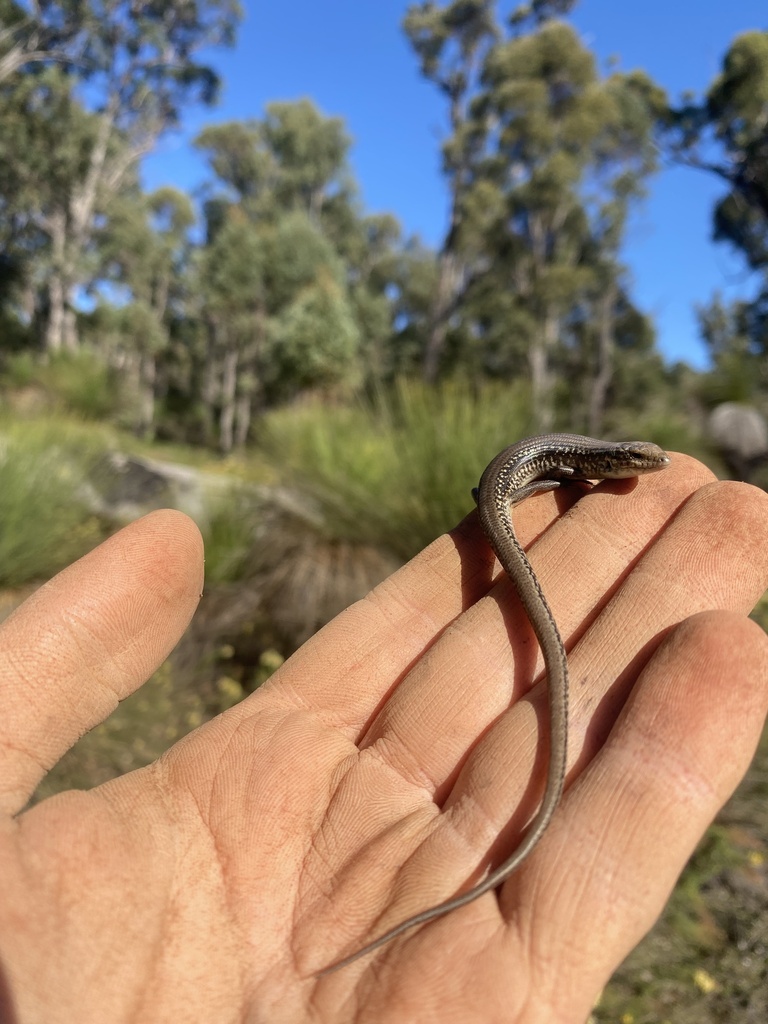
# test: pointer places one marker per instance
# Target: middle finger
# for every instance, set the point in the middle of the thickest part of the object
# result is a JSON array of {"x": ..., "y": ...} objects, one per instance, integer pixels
[{"x": 488, "y": 658}]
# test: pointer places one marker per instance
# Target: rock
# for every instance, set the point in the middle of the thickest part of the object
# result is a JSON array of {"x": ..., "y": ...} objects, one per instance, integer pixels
[{"x": 124, "y": 487}]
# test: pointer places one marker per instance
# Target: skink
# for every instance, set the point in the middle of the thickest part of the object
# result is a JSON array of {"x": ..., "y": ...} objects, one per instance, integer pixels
[{"x": 536, "y": 464}]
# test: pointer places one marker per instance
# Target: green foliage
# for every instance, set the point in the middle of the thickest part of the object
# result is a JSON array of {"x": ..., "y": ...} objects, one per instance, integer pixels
[
  {"x": 314, "y": 342},
  {"x": 74, "y": 382},
  {"x": 232, "y": 271},
  {"x": 66, "y": 151},
  {"x": 725, "y": 134},
  {"x": 738, "y": 97},
  {"x": 291, "y": 274},
  {"x": 143, "y": 244},
  {"x": 82, "y": 384},
  {"x": 238, "y": 159},
  {"x": 44, "y": 524},
  {"x": 737, "y": 352},
  {"x": 229, "y": 537},
  {"x": 447, "y": 39},
  {"x": 735, "y": 110},
  {"x": 45, "y": 142},
  {"x": 310, "y": 149},
  {"x": 672, "y": 430},
  {"x": 293, "y": 159},
  {"x": 540, "y": 11},
  {"x": 396, "y": 471},
  {"x": 20, "y": 370},
  {"x": 297, "y": 255}
]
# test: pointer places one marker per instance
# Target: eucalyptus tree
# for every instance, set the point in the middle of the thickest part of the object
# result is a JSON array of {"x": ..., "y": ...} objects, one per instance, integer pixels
[
  {"x": 45, "y": 145},
  {"x": 230, "y": 273},
  {"x": 378, "y": 267},
  {"x": 451, "y": 43},
  {"x": 731, "y": 118},
  {"x": 543, "y": 160},
  {"x": 41, "y": 32},
  {"x": 274, "y": 301},
  {"x": 133, "y": 66},
  {"x": 143, "y": 249},
  {"x": 559, "y": 154},
  {"x": 726, "y": 134},
  {"x": 305, "y": 301},
  {"x": 625, "y": 154}
]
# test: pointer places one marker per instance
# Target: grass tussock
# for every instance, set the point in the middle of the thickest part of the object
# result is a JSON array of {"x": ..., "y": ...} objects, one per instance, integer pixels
[
  {"x": 44, "y": 523},
  {"x": 74, "y": 383},
  {"x": 397, "y": 470}
]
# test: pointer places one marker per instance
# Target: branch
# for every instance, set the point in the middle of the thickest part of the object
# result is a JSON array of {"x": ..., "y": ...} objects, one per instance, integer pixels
[
  {"x": 751, "y": 189},
  {"x": 18, "y": 58}
]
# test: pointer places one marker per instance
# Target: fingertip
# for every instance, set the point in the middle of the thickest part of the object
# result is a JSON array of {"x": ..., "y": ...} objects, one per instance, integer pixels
[
  {"x": 169, "y": 542},
  {"x": 696, "y": 715},
  {"x": 723, "y": 655}
]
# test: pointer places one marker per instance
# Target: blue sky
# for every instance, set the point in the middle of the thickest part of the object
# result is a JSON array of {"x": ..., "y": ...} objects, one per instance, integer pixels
[{"x": 352, "y": 59}]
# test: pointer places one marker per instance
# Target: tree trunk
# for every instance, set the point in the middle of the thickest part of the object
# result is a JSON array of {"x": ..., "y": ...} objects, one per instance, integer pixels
[
  {"x": 539, "y": 359},
  {"x": 605, "y": 353},
  {"x": 474, "y": 31},
  {"x": 209, "y": 386},
  {"x": 449, "y": 277},
  {"x": 228, "y": 392},
  {"x": 146, "y": 410},
  {"x": 70, "y": 228},
  {"x": 70, "y": 337},
  {"x": 242, "y": 419},
  {"x": 61, "y": 328},
  {"x": 54, "y": 328}
]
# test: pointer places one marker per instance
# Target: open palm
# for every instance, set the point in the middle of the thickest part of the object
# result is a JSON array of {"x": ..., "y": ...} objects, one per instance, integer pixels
[{"x": 394, "y": 758}]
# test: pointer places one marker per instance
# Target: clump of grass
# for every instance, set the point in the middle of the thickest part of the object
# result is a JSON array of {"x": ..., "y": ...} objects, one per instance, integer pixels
[
  {"x": 76, "y": 382},
  {"x": 44, "y": 525},
  {"x": 230, "y": 536},
  {"x": 397, "y": 470}
]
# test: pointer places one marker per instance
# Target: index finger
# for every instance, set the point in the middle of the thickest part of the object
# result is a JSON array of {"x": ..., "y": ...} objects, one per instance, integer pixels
[{"x": 89, "y": 638}]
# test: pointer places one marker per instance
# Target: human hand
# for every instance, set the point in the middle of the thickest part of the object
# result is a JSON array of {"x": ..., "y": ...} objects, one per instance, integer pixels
[{"x": 382, "y": 769}]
